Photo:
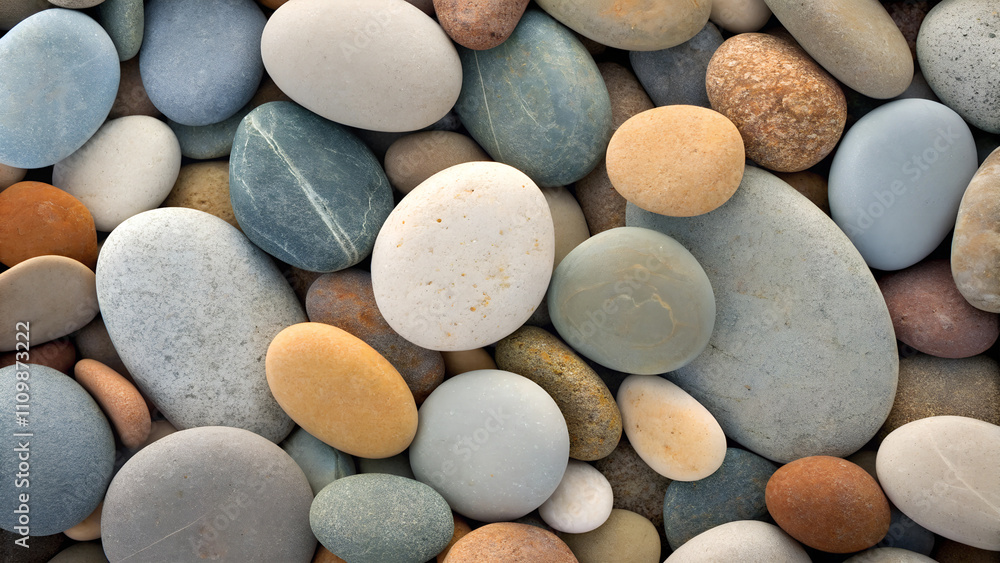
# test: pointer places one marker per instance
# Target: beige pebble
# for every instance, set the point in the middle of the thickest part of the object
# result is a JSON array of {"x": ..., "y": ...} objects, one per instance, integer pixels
[
  {"x": 413, "y": 158},
  {"x": 568, "y": 220},
  {"x": 120, "y": 400},
  {"x": 204, "y": 186},
  {"x": 10, "y": 176},
  {"x": 740, "y": 16}
]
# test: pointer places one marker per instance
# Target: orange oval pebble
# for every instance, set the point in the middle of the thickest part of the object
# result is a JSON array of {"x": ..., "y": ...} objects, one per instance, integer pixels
[
  {"x": 38, "y": 219},
  {"x": 508, "y": 541},
  {"x": 119, "y": 399}
]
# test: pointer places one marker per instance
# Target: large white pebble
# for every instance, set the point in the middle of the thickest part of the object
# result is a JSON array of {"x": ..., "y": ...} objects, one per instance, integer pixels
[
  {"x": 746, "y": 541},
  {"x": 127, "y": 167},
  {"x": 465, "y": 258},
  {"x": 381, "y": 65},
  {"x": 582, "y": 502},
  {"x": 670, "y": 430},
  {"x": 943, "y": 473}
]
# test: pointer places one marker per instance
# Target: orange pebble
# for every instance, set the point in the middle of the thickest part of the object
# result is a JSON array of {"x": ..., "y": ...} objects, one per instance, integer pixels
[
  {"x": 120, "y": 400},
  {"x": 38, "y": 219}
]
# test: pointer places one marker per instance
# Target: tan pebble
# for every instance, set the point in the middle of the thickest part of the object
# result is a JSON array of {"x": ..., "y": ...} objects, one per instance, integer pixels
[
  {"x": 204, "y": 186},
  {"x": 467, "y": 360},
  {"x": 89, "y": 529},
  {"x": 568, "y": 220},
  {"x": 626, "y": 537},
  {"x": 975, "y": 248},
  {"x": 132, "y": 98},
  {"x": 120, "y": 400},
  {"x": 740, "y": 16},
  {"x": 506, "y": 542},
  {"x": 413, "y": 158},
  {"x": 809, "y": 184},
  {"x": 462, "y": 529},
  {"x": 10, "y": 176},
  {"x": 158, "y": 429}
]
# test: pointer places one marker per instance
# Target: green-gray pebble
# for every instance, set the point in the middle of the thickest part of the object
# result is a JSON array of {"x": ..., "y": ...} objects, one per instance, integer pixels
[
  {"x": 124, "y": 22},
  {"x": 322, "y": 463}
]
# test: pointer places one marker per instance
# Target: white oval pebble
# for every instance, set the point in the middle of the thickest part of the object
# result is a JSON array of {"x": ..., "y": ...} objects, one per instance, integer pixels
[
  {"x": 889, "y": 555},
  {"x": 746, "y": 541},
  {"x": 582, "y": 501}
]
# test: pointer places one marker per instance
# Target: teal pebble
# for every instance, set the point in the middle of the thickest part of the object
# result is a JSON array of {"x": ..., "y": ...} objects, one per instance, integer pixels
[
  {"x": 205, "y": 142},
  {"x": 124, "y": 20},
  {"x": 321, "y": 462}
]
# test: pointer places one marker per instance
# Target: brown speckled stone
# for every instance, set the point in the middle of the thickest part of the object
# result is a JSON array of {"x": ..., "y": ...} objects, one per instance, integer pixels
[
  {"x": 908, "y": 15},
  {"x": 462, "y": 529},
  {"x": 790, "y": 112},
  {"x": 975, "y": 249},
  {"x": 467, "y": 360},
  {"x": 592, "y": 416},
  {"x": 119, "y": 399},
  {"x": 930, "y": 314},
  {"x": 204, "y": 186},
  {"x": 809, "y": 184},
  {"x": 479, "y": 24},
  {"x": 635, "y": 485},
  {"x": 38, "y": 219},
  {"x": 132, "y": 98},
  {"x": 57, "y": 354},
  {"x": 507, "y": 542},
  {"x": 828, "y": 504}
]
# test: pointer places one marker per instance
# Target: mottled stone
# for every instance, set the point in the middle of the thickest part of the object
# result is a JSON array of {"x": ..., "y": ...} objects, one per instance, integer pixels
[
  {"x": 625, "y": 91},
  {"x": 204, "y": 186},
  {"x": 508, "y": 541},
  {"x": 638, "y": 25},
  {"x": 38, "y": 219},
  {"x": 744, "y": 540},
  {"x": 480, "y": 24},
  {"x": 637, "y": 487},
  {"x": 131, "y": 98},
  {"x": 809, "y": 184},
  {"x": 119, "y": 399},
  {"x": 418, "y": 156},
  {"x": 124, "y": 20},
  {"x": 975, "y": 247},
  {"x": 625, "y": 537},
  {"x": 740, "y": 16},
  {"x": 677, "y": 75}
]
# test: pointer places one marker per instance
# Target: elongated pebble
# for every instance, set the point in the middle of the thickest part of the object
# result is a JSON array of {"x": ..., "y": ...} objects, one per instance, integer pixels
[{"x": 120, "y": 400}]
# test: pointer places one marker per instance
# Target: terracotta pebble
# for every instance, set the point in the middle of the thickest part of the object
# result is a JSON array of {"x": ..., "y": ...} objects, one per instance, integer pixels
[
  {"x": 479, "y": 24},
  {"x": 204, "y": 186},
  {"x": 119, "y": 399},
  {"x": 505, "y": 542},
  {"x": 413, "y": 158},
  {"x": 38, "y": 219},
  {"x": 467, "y": 360}
]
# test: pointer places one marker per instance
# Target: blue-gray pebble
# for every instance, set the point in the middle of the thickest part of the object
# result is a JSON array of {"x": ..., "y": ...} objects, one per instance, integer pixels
[
  {"x": 305, "y": 190},
  {"x": 65, "y": 466},
  {"x": 380, "y": 518},
  {"x": 205, "y": 142},
  {"x": 46, "y": 116},
  {"x": 200, "y": 61},
  {"x": 124, "y": 20},
  {"x": 322, "y": 463},
  {"x": 677, "y": 75},
  {"x": 527, "y": 110}
]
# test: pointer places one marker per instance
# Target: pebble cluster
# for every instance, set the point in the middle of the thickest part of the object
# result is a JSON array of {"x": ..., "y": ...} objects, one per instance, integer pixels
[{"x": 472, "y": 281}]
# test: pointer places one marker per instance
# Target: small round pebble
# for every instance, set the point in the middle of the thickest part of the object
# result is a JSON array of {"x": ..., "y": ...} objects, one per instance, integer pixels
[
  {"x": 505, "y": 542},
  {"x": 479, "y": 25},
  {"x": 740, "y": 16},
  {"x": 120, "y": 400},
  {"x": 38, "y": 219},
  {"x": 124, "y": 20},
  {"x": 625, "y": 537},
  {"x": 581, "y": 502},
  {"x": 568, "y": 222}
]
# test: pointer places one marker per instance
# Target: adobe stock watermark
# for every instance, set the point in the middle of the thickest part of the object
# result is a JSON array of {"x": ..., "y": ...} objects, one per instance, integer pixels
[{"x": 467, "y": 444}]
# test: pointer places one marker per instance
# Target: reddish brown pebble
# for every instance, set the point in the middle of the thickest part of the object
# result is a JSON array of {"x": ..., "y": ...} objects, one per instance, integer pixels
[
  {"x": 809, "y": 184},
  {"x": 930, "y": 314},
  {"x": 57, "y": 354},
  {"x": 37, "y": 219},
  {"x": 89, "y": 529},
  {"x": 132, "y": 98},
  {"x": 479, "y": 24},
  {"x": 828, "y": 504},
  {"x": 462, "y": 529},
  {"x": 507, "y": 542},
  {"x": 119, "y": 399}
]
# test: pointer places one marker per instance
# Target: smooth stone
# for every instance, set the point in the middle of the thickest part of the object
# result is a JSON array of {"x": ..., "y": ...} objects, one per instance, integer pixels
[
  {"x": 786, "y": 375},
  {"x": 941, "y": 472},
  {"x": 94, "y": 342},
  {"x": 181, "y": 290},
  {"x": 204, "y": 186},
  {"x": 375, "y": 518},
  {"x": 679, "y": 160},
  {"x": 734, "y": 492},
  {"x": 673, "y": 433},
  {"x": 897, "y": 180},
  {"x": 388, "y": 47},
  {"x": 59, "y": 354},
  {"x": 52, "y": 295},
  {"x": 201, "y": 63},
  {"x": 214, "y": 140},
  {"x": 592, "y": 417},
  {"x": 10, "y": 175},
  {"x": 131, "y": 98},
  {"x": 305, "y": 190},
  {"x": 321, "y": 463},
  {"x": 38, "y": 219},
  {"x": 462, "y": 528},
  {"x": 930, "y": 315},
  {"x": 790, "y": 112},
  {"x": 854, "y": 40},
  {"x": 677, "y": 75},
  {"x": 249, "y": 499},
  {"x": 89, "y": 529},
  {"x": 76, "y": 4},
  {"x": 467, "y": 360},
  {"x": 127, "y": 167},
  {"x": 636, "y": 486},
  {"x": 747, "y": 541},
  {"x": 413, "y": 158},
  {"x": 634, "y": 300},
  {"x": 479, "y": 25},
  {"x": 490, "y": 226},
  {"x": 903, "y": 532},
  {"x": 975, "y": 246},
  {"x": 13, "y": 12},
  {"x": 809, "y": 184},
  {"x": 509, "y": 541},
  {"x": 889, "y": 555},
  {"x": 398, "y": 464},
  {"x": 80, "y": 80},
  {"x": 568, "y": 221},
  {"x": 521, "y": 106},
  {"x": 493, "y": 443},
  {"x": 89, "y": 552},
  {"x": 956, "y": 40},
  {"x": 582, "y": 501},
  {"x": 625, "y": 537},
  {"x": 71, "y": 450},
  {"x": 646, "y": 25},
  {"x": 341, "y": 390},
  {"x": 124, "y": 20},
  {"x": 740, "y": 16},
  {"x": 120, "y": 400}
]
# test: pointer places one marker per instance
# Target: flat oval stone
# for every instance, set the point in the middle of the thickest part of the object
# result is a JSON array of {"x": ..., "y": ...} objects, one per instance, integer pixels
[
  {"x": 321, "y": 463},
  {"x": 509, "y": 541},
  {"x": 645, "y": 25},
  {"x": 48, "y": 115},
  {"x": 376, "y": 517},
  {"x": 479, "y": 25},
  {"x": 975, "y": 247},
  {"x": 493, "y": 443},
  {"x": 633, "y": 300},
  {"x": 412, "y": 159},
  {"x": 124, "y": 20},
  {"x": 740, "y": 16},
  {"x": 636, "y": 486},
  {"x": 581, "y": 502},
  {"x": 678, "y": 160},
  {"x": 773, "y": 354},
  {"x": 127, "y": 167},
  {"x": 677, "y": 75},
  {"x": 52, "y": 295},
  {"x": 743, "y": 540},
  {"x": 341, "y": 390},
  {"x": 119, "y": 399},
  {"x": 465, "y": 258},
  {"x": 521, "y": 106},
  {"x": 955, "y": 39},
  {"x": 855, "y": 40},
  {"x": 306, "y": 190},
  {"x": 790, "y": 112},
  {"x": 249, "y": 501},
  {"x": 181, "y": 290},
  {"x": 37, "y": 219},
  {"x": 70, "y": 451},
  {"x": 385, "y": 46},
  {"x": 201, "y": 63},
  {"x": 897, "y": 180},
  {"x": 625, "y": 537}
]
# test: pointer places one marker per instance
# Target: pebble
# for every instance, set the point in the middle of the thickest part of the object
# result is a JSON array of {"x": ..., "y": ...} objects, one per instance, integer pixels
[
  {"x": 592, "y": 416},
  {"x": 10, "y": 175},
  {"x": 201, "y": 63},
  {"x": 636, "y": 486},
  {"x": 930, "y": 315},
  {"x": 94, "y": 342},
  {"x": 677, "y": 75},
  {"x": 214, "y": 140},
  {"x": 38, "y": 219},
  {"x": 637, "y": 26},
  {"x": 955, "y": 39},
  {"x": 493, "y": 443},
  {"x": 462, "y": 528},
  {"x": 467, "y": 360},
  {"x": 53, "y": 295},
  {"x": 413, "y": 158},
  {"x": 479, "y": 25},
  {"x": 625, "y": 537},
  {"x": 127, "y": 167},
  {"x": 233, "y": 493},
  {"x": 889, "y": 555},
  {"x": 509, "y": 541},
  {"x": 645, "y": 307},
  {"x": 320, "y": 463},
  {"x": 89, "y": 529},
  {"x": 854, "y": 40},
  {"x": 120, "y": 400},
  {"x": 76, "y": 4},
  {"x": 306, "y": 190},
  {"x": 59, "y": 354},
  {"x": 405, "y": 73},
  {"x": 790, "y": 112},
  {"x": 568, "y": 222},
  {"x": 345, "y": 300},
  {"x": 341, "y": 390},
  {"x": 375, "y": 518},
  {"x": 73, "y": 449},
  {"x": 975, "y": 246},
  {"x": 740, "y": 16},
  {"x": 582, "y": 501},
  {"x": 749, "y": 541},
  {"x": 398, "y": 464},
  {"x": 204, "y": 186},
  {"x": 124, "y": 20},
  {"x": 897, "y": 180},
  {"x": 208, "y": 298},
  {"x": 80, "y": 81},
  {"x": 462, "y": 296},
  {"x": 131, "y": 98}
]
